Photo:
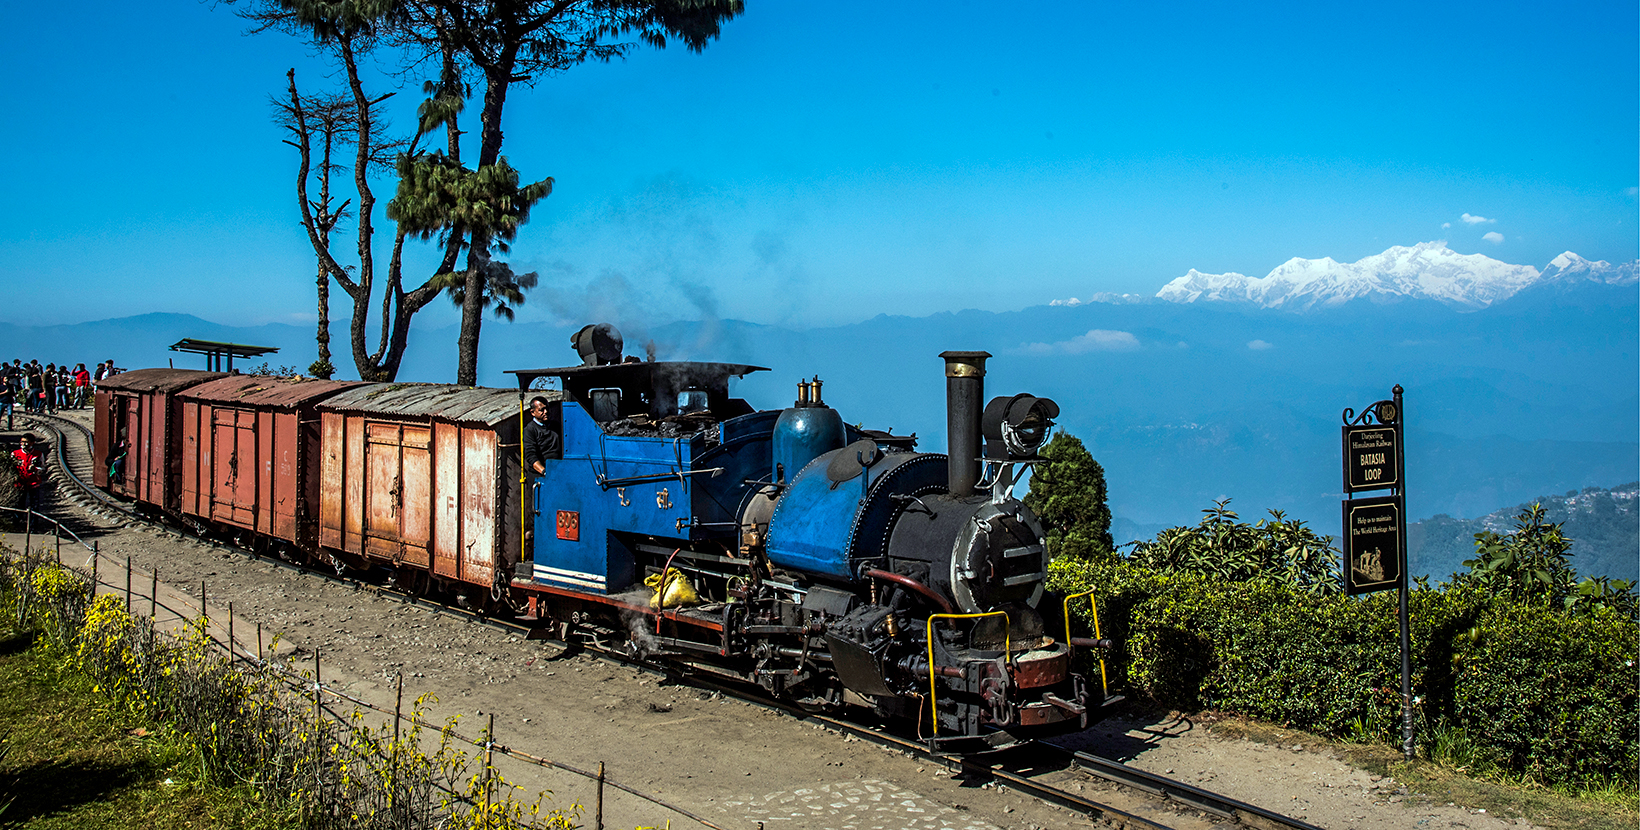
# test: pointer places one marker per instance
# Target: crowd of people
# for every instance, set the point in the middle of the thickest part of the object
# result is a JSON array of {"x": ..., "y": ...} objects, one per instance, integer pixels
[{"x": 48, "y": 388}]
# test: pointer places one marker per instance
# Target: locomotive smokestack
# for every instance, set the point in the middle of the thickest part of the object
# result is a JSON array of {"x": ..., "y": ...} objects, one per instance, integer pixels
[{"x": 964, "y": 397}]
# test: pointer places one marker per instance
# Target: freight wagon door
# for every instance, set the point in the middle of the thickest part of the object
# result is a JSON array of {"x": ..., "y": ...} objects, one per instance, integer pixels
[
  {"x": 233, "y": 462},
  {"x": 397, "y": 485},
  {"x": 415, "y": 492},
  {"x": 122, "y": 467}
]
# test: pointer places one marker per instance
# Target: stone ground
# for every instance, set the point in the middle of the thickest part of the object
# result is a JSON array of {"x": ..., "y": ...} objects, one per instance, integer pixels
[{"x": 735, "y": 764}]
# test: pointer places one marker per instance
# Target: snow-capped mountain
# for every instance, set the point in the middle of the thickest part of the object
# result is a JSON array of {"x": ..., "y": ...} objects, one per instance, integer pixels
[
  {"x": 1570, "y": 267},
  {"x": 1428, "y": 271},
  {"x": 1106, "y": 297}
]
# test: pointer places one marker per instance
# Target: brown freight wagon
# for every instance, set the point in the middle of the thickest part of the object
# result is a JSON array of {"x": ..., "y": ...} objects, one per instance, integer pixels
[
  {"x": 136, "y": 416},
  {"x": 424, "y": 475},
  {"x": 250, "y": 449}
]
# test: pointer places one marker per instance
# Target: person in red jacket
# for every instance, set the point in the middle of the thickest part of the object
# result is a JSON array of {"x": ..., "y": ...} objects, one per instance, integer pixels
[
  {"x": 82, "y": 387},
  {"x": 29, "y": 471}
]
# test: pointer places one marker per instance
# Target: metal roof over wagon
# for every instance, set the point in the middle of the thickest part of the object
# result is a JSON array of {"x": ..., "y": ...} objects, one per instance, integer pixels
[
  {"x": 246, "y": 447},
  {"x": 463, "y": 404},
  {"x": 262, "y": 391},
  {"x": 164, "y": 381}
]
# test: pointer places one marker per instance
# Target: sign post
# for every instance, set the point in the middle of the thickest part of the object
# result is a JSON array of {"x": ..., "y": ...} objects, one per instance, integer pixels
[{"x": 1375, "y": 533}]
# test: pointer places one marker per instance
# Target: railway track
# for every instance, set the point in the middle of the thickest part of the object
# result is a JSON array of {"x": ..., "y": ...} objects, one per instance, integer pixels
[{"x": 72, "y": 454}]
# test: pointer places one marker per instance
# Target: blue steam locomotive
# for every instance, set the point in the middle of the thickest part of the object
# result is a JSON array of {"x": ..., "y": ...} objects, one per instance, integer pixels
[{"x": 828, "y": 564}]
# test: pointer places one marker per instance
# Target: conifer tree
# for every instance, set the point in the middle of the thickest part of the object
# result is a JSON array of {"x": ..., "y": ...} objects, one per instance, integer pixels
[{"x": 1068, "y": 495}]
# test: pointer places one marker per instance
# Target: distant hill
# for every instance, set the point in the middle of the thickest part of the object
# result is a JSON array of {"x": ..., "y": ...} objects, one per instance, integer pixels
[{"x": 1603, "y": 524}]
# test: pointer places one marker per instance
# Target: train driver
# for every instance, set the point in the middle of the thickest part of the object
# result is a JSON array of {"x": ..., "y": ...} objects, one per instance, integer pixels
[{"x": 541, "y": 441}]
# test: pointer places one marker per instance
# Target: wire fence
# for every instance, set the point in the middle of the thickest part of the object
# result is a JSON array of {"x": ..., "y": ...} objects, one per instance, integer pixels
[{"x": 95, "y": 573}]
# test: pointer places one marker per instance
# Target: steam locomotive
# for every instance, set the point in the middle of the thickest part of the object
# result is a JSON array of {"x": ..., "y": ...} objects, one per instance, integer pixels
[{"x": 829, "y": 564}]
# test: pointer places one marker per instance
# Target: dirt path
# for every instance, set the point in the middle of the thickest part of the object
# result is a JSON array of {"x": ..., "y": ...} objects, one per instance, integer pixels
[{"x": 728, "y": 761}]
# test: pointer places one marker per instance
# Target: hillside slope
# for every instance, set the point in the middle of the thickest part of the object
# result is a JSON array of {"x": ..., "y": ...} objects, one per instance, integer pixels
[{"x": 1603, "y": 524}]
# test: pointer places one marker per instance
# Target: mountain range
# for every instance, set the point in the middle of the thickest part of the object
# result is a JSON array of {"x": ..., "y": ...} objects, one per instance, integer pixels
[
  {"x": 1182, "y": 402},
  {"x": 1426, "y": 271}
]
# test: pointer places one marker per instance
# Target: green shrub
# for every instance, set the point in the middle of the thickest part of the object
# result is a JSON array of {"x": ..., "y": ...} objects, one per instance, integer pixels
[
  {"x": 1543, "y": 690},
  {"x": 1276, "y": 549},
  {"x": 1553, "y": 693}
]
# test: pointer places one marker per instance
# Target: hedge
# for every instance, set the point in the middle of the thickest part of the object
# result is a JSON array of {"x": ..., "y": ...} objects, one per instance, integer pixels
[{"x": 1547, "y": 693}]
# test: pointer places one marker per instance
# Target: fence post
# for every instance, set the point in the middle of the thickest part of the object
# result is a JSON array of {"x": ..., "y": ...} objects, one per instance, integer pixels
[
  {"x": 598, "y": 822},
  {"x": 231, "y": 655},
  {"x": 204, "y": 626},
  {"x": 153, "y": 597},
  {"x": 318, "y": 721},
  {"x": 94, "y": 564},
  {"x": 260, "y": 657},
  {"x": 57, "y": 541},
  {"x": 393, "y": 750},
  {"x": 128, "y": 587},
  {"x": 489, "y": 756}
]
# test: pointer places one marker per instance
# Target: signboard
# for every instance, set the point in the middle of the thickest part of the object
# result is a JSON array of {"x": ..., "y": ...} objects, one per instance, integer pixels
[
  {"x": 1370, "y": 455},
  {"x": 1375, "y": 533},
  {"x": 1373, "y": 557}
]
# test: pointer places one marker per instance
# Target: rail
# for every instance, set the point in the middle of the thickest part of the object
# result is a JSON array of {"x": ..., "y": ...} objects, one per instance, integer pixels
[{"x": 1177, "y": 791}]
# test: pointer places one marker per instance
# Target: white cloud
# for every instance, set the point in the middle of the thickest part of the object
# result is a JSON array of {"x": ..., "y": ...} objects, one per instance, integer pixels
[
  {"x": 1258, "y": 345},
  {"x": 1445, "y": 225},
  {"x": 1096, "y": 340},
  {"x": 1477, "y": 220},
  {"x": 1493, "y": 237}
]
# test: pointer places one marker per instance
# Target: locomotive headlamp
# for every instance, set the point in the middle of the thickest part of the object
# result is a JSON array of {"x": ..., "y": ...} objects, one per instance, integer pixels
[
  {"x": 1016, "y": 427},
  {"x": 598, "y": 345}
]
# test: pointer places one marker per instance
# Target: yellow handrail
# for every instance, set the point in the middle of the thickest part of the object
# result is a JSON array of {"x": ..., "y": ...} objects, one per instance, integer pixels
[
  {"x": 525, "y": 512},
  {"x": 1104, "y": 682},
  {"x": 928, "y": 637}
]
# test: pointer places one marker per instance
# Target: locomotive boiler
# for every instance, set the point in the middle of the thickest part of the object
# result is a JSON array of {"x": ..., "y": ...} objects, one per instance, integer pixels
[{"x": 829, "y": 564}]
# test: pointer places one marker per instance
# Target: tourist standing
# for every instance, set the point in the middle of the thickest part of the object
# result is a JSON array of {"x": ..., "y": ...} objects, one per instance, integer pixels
[
  {"x": 33, "y": 382},
  {"x": 29, "y": 473},
  {"x": 82, "y": 387},
  {"x": 8, "y": 393},
  {"x": 65, "y": 381}
]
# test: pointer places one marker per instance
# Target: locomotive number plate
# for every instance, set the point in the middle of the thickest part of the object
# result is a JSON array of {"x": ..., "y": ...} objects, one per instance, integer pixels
[{"x": 569, "y": 525}]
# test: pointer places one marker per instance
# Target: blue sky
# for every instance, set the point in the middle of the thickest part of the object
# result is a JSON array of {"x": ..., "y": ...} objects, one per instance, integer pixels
[{"x": 822, "y": 163}]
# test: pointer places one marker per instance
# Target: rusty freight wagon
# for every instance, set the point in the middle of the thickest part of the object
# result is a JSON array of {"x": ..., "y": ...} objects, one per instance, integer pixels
[
  {"x": 248, "y": 446},
  {"x": 136, "y": 433},
  {"x": 423, "y": 478}
]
